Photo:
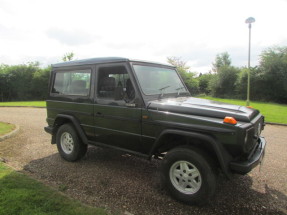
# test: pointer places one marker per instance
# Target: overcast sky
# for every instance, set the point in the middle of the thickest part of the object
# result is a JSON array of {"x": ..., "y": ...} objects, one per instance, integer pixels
[{"x": 44, "y": 30}]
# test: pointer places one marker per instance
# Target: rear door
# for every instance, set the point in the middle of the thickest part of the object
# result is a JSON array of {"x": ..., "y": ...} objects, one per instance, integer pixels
[{"x": 71, "y": 94}]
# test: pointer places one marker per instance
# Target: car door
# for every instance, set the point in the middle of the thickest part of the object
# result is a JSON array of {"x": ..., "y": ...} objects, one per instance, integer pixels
[
  {"x": 71, "y": 95},
  {"x": 117, "y": 118}
]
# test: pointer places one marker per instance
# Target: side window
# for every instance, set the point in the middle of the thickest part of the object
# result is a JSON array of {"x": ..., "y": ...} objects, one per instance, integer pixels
[
  {"x": 72, "y": 83},
  {"x": 114, "y": 84}
]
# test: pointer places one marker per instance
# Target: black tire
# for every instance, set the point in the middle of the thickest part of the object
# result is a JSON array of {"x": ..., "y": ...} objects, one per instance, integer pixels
[
  {"x": 179, "y": 172},
  {"x": 69, "y": 144}
]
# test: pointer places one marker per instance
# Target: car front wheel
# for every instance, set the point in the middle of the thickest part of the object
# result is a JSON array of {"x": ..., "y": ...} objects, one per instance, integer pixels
[{"x": 188, "y": 175}]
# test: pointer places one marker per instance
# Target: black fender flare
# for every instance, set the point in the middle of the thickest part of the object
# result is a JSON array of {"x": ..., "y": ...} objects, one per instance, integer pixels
[
  {"x": 76, "y": 125},
  {"x": 222, "y": 155}
]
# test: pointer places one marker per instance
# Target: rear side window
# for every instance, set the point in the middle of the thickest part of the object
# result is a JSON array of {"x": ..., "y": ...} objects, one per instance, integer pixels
[{"x": 72, "y": 83}]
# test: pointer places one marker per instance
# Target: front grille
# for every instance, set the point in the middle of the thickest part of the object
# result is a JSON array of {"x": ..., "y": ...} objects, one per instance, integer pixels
[
  {"x": 251, "y": 141},
  {"x": 253, "y": 134}
]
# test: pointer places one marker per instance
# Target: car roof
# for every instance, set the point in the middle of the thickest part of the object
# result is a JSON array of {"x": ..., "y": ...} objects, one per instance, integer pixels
[{"x": 101, "y": 60}]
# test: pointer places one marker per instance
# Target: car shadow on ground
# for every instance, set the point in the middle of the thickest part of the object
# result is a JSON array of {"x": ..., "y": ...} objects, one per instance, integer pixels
[{"x": 120, "y": 183}]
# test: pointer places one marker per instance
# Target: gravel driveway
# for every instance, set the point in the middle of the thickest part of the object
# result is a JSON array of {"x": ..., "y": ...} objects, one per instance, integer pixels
[{"x": 122, "y": 183}]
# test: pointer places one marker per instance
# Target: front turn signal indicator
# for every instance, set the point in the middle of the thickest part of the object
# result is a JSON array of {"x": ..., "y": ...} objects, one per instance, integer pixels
[{"x": 230, "y": 120}]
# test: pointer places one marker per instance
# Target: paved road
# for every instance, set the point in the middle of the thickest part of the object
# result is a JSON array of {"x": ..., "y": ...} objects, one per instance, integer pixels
[{"x": 121, "y": 183}]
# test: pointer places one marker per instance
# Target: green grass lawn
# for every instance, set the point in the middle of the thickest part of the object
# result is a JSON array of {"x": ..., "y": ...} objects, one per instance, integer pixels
[
  {"x": 20, "y": 194},
  {"x": 273, "y": 112},
  {"x": 25, "y": 104},
  {"x": 6, "y": 128}
]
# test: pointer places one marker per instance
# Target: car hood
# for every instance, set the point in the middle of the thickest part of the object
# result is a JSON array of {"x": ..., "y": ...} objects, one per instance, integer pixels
[{"x": 203, "y": 107}]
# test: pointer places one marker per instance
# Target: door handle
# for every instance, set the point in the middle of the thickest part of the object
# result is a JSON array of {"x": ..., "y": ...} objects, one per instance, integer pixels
[{"x": 130, "y": 105}]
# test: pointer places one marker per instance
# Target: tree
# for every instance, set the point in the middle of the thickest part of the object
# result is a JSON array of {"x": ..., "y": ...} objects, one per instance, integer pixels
[
  {"x": 204, "y": 82},
  {"x": 178, "y": 63},
  {"x": 222, "y": 59},
  {"x": 223, "y": 84},
  {"x": 258, "y": 90},
  {"x": 188, "y": 77},
  {"x": 68, "y": 56},
  {"x": 273, "y": 69}
]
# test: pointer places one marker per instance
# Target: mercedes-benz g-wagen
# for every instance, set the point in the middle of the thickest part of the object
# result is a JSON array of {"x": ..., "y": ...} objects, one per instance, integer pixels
[{"x": 145, "y": 109}]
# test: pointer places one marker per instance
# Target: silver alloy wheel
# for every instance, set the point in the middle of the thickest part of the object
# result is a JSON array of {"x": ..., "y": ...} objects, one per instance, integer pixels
[
  {"x": 67, "y": 143},
  {"x": 185, "y": 177}
]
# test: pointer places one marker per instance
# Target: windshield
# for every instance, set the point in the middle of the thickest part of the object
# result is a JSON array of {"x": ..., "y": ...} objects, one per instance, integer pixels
[{"x": 156, "y": 80}]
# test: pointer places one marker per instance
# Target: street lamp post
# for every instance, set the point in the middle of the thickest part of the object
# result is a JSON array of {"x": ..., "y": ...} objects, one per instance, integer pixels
[{"x": 249, "y": 21}]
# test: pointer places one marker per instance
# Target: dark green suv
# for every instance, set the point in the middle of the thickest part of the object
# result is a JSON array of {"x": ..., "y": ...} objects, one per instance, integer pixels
[{"x": 144, "y": 109}]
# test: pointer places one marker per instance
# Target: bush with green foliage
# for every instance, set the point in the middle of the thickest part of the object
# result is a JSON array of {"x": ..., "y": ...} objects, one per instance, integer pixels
[
  {"x": 273, "y": 73},
  {"x": 23, "y": 82},
  {"x": 188, "y": 77},
  {"x": 204, "y": 82},
  {"x": 268, "y": 81},
  {"x": 224, "y": 82}
]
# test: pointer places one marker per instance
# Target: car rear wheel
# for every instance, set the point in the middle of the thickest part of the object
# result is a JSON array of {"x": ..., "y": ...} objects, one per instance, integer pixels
[
  {"x": 188, "y": 175},
  {"x": 69, "y": 144}
]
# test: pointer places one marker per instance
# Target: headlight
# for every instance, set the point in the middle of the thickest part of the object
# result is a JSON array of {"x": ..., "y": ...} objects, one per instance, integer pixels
[
  {"x": 246, "y": 137},
  {"x": 249, "y": 140},
  {"x": 259, "y": 129}
]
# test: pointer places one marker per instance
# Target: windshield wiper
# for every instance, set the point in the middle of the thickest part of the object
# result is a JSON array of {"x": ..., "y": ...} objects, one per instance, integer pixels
[
  {"x": 161, "y": 91},
  {"x": 178, "y": 90}
]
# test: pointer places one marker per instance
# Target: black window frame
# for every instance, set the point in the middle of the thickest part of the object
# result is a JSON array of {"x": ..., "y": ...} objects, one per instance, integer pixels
[
  {"x": 147, "y": 98},
  {"x": 70, "y": 70},
  {"x": 110, "y": 101}
]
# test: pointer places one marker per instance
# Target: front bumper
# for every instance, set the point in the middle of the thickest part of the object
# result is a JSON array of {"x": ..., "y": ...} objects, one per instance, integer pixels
[
  {"x": 49, "y": 129},
  {"x": 243, "y": 167}
]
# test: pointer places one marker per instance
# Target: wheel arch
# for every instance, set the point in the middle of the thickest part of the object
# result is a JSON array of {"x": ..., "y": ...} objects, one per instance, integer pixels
[
  {"x": 63, "y": 119},
  {"x": 216, "y": 147}
]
